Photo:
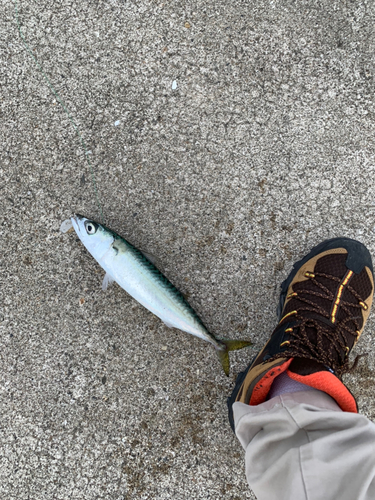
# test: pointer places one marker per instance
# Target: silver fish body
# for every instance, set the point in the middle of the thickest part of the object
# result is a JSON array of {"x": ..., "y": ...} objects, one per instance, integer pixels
[{"x": 128, "y": 266}]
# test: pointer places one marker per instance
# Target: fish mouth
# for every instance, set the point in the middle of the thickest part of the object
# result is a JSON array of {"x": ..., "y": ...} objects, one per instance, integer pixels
[{"x": 75, "y": 218}]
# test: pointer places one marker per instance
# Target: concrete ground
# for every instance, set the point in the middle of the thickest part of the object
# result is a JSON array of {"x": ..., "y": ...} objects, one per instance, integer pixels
[{"x": 227, "y": 138}]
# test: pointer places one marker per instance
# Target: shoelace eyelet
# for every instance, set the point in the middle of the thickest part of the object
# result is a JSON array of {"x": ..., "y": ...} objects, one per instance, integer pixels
[
  {"x": 287, "y": 315},
  {"x": 286, "y": 342},
  {"x": 309, "y": 275}
]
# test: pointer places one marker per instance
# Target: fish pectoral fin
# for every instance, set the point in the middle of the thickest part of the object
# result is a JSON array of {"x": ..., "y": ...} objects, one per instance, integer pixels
[
  {"x": 107, "y": 280},
  {"x": 168, "y": 324}
]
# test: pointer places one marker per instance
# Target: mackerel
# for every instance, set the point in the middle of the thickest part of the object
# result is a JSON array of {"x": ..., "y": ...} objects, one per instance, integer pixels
[{"x": 138, "y": 276}]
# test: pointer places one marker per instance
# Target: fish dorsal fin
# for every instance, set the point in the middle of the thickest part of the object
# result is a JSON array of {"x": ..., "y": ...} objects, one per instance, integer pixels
[
  {"x": 107, "y": 280},
  {"x": 149, "y": 256}
]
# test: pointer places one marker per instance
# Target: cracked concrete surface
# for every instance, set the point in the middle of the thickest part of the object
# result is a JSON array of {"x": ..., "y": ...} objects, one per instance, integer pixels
[{"x": 227, "y": 138}]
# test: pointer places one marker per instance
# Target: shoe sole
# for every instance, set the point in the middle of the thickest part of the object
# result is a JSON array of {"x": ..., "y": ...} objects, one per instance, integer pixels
[{"x": 358, "y": 258}]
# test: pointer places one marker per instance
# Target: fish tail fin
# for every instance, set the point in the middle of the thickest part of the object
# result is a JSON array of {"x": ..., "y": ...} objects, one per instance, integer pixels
[{"x": 230, "y": 345}]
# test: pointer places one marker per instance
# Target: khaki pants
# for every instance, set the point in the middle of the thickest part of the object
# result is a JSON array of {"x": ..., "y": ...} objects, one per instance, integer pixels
[{"x": 301, "y": 446}]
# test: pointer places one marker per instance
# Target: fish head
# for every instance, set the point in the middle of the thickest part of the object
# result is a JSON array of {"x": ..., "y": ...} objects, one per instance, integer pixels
[{"x": 96, "y": 238}]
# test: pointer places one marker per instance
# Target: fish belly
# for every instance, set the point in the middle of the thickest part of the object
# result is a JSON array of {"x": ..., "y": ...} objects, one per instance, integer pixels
[{"x": 153, "y": 293}]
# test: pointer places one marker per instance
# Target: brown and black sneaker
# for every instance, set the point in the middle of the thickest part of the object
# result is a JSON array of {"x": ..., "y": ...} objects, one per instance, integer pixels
[{"x": 324, "y": 305}]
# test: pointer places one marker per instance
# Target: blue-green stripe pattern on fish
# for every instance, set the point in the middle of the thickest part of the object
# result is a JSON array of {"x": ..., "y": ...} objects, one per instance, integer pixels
[{"x": 129, "y": 267}]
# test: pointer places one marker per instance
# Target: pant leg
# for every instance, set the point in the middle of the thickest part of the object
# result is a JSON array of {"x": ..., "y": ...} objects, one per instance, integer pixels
[{"x": 301, "y": 446}]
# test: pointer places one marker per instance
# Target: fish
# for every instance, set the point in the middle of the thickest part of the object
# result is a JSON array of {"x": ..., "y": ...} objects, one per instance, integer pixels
[{"x": 140, "y": 278}]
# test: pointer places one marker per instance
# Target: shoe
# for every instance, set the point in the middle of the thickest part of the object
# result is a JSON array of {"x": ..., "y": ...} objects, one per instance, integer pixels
[{"x": 323, "y": 307}]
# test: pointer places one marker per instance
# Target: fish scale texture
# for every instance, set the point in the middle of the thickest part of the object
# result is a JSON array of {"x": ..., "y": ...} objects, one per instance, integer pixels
[{"x": 159, "y": 278}]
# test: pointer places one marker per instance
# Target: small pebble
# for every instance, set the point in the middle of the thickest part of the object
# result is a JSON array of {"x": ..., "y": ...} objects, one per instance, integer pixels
[
  {"x": 66, "y": 225},
  {"x": 117, "y": 122},
  {"x": 174, "y": 85}
]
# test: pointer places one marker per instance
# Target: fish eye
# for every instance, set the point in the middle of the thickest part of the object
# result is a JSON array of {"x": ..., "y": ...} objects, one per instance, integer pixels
[{"x": 91, "y": 227}]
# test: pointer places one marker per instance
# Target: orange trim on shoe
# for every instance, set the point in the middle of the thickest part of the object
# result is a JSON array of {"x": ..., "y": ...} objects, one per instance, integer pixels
[
  {"x": 263, "y": 387},
  {"x": 331, "y": 385}
]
